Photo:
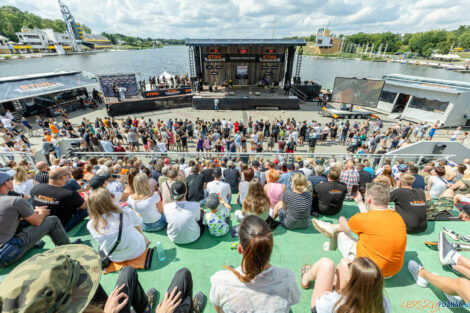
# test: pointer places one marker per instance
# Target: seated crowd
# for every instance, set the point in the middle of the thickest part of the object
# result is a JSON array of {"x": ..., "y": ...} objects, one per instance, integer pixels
[{"x": 124, "y": 200}]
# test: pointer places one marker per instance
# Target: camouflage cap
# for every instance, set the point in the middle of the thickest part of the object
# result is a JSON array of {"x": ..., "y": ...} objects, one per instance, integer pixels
[{"x": 63, "y": 279}]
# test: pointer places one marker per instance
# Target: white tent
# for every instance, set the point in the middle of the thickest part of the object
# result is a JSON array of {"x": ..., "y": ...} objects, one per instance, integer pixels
[{"x": 167, "y": 76}]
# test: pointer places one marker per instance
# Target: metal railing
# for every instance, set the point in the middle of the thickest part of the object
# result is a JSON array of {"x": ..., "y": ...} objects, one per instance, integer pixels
[
  {"x": 377, "y": 159},
  {"x": 18, "y": 156}
]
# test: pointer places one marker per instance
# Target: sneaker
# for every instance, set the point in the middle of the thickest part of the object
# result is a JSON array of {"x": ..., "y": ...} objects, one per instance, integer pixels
[
  {"x": 452, "y": 234},
  {"x": 465, "y": 238},
  {"x": 198, "y": 302},
  {"x": 453, "y": 299},
  {"x": 39, "y": 245},
  {"x": 324, "y": 228},
  {"x": 151, "y": 299},
  {"x": 77, "y": 242},
  {"x": 446, "y": 250},
  {"x": 414, "y": 268}
]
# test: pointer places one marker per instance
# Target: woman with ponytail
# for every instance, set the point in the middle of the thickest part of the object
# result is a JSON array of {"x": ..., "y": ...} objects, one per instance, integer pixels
[
  {"x": 256, "y": 285},
  {"x": 358, "y": 287}
]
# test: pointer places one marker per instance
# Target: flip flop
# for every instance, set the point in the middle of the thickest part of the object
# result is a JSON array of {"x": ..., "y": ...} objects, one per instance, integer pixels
[
  {"x": 302, "y": 271},
  {"x": 431, "y": 244},
  {"x": 452, "y": 234}
]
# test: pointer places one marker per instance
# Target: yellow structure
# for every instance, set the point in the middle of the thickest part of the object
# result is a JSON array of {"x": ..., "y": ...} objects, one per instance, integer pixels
[{"x": 326, "y": 43}]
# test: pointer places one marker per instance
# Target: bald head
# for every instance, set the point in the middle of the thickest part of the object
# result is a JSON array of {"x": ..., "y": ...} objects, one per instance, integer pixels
[
  {"x": 41, "y": 166},
  {"x": 58, "y": 176}
]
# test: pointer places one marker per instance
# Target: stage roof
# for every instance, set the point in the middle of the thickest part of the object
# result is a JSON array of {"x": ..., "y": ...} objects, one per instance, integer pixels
[
  {"x": 245, "y": 42},
  {"x": 27, "y": 86}
]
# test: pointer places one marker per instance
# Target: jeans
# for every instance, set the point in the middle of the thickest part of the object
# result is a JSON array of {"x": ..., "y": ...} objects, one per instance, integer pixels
[
  {"x": 75, "y": 219},
  {"x": 27, "y": 239},
  {"x": 57, "y": 152},
  {"x": 156, "y": 226},
  {"x": 183, "y": 281},
  {"x": 133, "y": 289}
]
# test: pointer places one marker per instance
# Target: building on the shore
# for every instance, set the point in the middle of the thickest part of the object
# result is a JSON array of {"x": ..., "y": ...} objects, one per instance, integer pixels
[
  {"x": 96, "y": 42},
  {"x": 5, "y": 45},
  {"x": 326, "y": 42},
  {"x": 43, "y": 41}
]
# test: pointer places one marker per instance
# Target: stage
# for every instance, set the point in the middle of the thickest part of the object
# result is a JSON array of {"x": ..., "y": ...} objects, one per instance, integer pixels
[
  {"x": 246, "y": 98},
  {"x": 139, "y": 104}
]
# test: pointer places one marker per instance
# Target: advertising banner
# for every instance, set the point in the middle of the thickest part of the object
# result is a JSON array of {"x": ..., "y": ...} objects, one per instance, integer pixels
[
  {"x": 167, "y": 92},
  {"x": 127, "y": 81}
]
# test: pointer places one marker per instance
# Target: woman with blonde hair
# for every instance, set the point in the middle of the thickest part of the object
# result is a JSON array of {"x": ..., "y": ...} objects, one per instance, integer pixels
[
  {"x": 22, "y": 183},
  {"x": 274, "y": 190},
  {"x": 104, "y": 227},
  {"x": 129, "y": 189},
  {"x": 357, "y": 289},
  {"x": 244, "y": 185},
  {"x": 147, "y": 204},
  {"x": 256, "y": 202},
  {"x": 294, "y": 207}
]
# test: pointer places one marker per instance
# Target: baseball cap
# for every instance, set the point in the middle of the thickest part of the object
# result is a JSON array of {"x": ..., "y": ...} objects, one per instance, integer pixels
[
  {"x": 306, "y": 163},
  {"x": 212, "y": 201},
  {"x": 290, "y": 166},
  {"x": 63, "y": 279},
  {"x": 217, "y": 172},
  {"x": 463, "y": 206},
  {"x": 166, "y": 161},
  {"x": 255, "y": 163},
  {"x": 402, "y": 167},
  {"x": 177, "y": 190},
  {"x": 98, "y": 180},
  {"x": 4, "y": 177},
  {"x": 276, "y": 161}
]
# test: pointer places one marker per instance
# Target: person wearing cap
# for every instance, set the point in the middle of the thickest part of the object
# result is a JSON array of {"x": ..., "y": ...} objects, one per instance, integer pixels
[
  {"x": 67, "y": 205},
  {"x": 258, "y": 174},
  {"x": 410, "y": 203},
  {"x": 14, "y": 241},
  {"x": 71, "y": 275},
  {"x": 219, "y": 187},
  {"x": 217, "y": 220},
  {"x": 306, "y": 169},
  {"x": 184, "y": 218}
]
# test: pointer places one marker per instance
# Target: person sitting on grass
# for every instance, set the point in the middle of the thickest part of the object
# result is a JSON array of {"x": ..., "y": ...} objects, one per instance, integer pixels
[
  {"x": 455, "y": 289},
  {"x": 328, "y": 196},
  {"x": 217, "y": 220},
  {"x": 256, "y": 285},
  {"x": 256, "y": 202},
  {"x": 71, "y": 275},
  {"x": 357, "y": 287},
  {"x": 381, "y": 231},
  {"x": 294, "y": 207}
]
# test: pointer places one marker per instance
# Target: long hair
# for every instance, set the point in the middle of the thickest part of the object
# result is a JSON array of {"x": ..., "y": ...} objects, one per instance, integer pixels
[
  {"x": 387, "y": 172},
  {"x": 364, "y": 290},
  {"x": 141, "y": 187},
  {"x": 130, "y": 177},
  {"x": 256, "y": 200},
  {"x": 21, "y": 174},
  {"x": 99, "y": 203},
  {"x": 256, "y": 240}
]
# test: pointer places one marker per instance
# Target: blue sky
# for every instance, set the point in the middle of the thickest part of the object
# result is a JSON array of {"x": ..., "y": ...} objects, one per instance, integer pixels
[{"x": 254, "y": 18}]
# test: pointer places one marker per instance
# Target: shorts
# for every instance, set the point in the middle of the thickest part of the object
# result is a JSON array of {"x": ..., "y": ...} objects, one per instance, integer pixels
[
  {"x": 444, "y": 204},
  {"x": 134, "y": 144},
  {"x": 289, "y": 151}
]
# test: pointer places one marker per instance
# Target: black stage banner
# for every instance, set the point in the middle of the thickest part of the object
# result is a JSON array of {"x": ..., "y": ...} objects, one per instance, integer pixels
[
  {"x": 126, "y": 81},
  {"x": 167, "y": 92},
  {"x": 243, "y": 58}
]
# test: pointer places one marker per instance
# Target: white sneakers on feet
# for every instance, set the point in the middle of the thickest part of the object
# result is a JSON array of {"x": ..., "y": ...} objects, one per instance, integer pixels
[
  {"x": 446, "y": 250},
  {"x": 324, "y": 227},
  {"x": 414, "y": 268}
]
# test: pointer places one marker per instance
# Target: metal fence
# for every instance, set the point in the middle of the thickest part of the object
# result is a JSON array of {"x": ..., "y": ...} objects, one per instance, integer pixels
[{"x": 375, "y": 159}]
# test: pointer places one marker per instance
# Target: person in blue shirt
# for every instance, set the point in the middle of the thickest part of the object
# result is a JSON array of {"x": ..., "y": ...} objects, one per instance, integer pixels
[
  {"x": 419, "y": 180},
  {"x": 369, "y": 169},
  {"x": 28, "y": 126}
]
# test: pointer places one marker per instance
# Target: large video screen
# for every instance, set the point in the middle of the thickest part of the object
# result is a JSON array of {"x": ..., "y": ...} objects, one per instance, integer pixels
[{"x": 365, "y": 92}]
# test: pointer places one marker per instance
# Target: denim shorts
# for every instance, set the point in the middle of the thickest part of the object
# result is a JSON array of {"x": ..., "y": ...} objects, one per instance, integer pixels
[{"x": 155, "y": 226}]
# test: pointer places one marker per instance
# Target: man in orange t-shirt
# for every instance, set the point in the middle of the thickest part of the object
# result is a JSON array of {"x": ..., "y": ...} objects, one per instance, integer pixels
[{"x": 381, "y": 231}]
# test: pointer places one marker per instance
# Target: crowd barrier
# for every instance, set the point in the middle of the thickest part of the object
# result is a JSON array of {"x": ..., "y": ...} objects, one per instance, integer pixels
[{"x": 376, "y": 159}]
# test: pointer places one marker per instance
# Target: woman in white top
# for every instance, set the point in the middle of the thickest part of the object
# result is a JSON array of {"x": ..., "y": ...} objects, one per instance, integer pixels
[
  {"x": 358, "y": 287},
  {"x": 243, "y": 186},
  {"x": 256, "y": 202},
  {"x": 256, "y": 285},
  {"x": 22, "y": 183},
  {"x": 104, "y": 227},
  {"x": 437, "y": 183},
  {"x": 147, "y": 204}
]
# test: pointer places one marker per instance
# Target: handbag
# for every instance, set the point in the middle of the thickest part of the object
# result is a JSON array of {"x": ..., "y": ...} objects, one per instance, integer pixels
[{"x": 105, "y": 261}]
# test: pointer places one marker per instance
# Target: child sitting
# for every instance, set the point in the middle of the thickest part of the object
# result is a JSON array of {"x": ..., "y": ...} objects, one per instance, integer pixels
[{"x": 217, "y": 219}]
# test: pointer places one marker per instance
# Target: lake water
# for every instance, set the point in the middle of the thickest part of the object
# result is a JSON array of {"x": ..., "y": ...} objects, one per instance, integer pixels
[{"x": 174, "y": 60}]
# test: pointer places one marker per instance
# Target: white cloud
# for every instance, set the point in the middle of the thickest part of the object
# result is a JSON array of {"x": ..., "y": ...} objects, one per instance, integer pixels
[{"x": 254, "y": 18}]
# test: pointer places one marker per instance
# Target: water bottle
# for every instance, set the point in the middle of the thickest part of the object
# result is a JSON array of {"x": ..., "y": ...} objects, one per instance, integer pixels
[{"x": 160, "y": 252}]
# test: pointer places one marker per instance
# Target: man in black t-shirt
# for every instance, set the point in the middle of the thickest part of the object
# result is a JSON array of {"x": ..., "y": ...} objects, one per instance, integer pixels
[
  {"x": 328, "y": 196},
  {"x": 410, "y": 203},
  {"x": 364, "y": 176},
  {"x": 232, "y": 176},
  {"x": 196, "y": 185},
  {"x": 207, "y": 172},
  {"x": 312, "y": 142},
  {"x": 67, "y": 205}
]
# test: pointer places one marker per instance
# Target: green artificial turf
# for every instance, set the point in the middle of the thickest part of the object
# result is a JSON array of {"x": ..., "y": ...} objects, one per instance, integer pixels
[{"x": 292, "y": 249}]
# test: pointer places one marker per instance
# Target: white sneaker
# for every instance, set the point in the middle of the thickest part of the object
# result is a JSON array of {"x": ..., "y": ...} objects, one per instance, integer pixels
[
  {"x": 414, "y": 268},
  {"x": 453, "y": 298},
  {"x": 324, "y": 227},
  {"x": 446, "y": 250},
  {"x": 452, "y": 234}
]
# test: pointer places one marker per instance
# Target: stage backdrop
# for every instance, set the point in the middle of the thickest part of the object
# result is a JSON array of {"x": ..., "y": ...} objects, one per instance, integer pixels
[{"x": 127, "y": 81}]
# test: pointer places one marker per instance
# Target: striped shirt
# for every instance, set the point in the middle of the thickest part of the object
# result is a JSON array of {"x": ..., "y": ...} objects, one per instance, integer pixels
[
  {"x": 42, "y": 177},
  {"x": 298, "y": 209}
]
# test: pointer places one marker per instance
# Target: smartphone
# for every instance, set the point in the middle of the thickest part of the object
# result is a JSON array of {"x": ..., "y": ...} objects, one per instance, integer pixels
[
  {"x": 116, "y": 176},
  {"x": 354, "y": 190}
]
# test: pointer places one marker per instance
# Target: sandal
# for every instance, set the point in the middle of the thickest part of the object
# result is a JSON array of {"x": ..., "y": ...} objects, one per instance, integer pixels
[{"x": 304, "y": 270}]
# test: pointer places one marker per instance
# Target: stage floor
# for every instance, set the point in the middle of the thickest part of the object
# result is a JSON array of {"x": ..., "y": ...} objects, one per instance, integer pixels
[{"x": 244, "y": 91}]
